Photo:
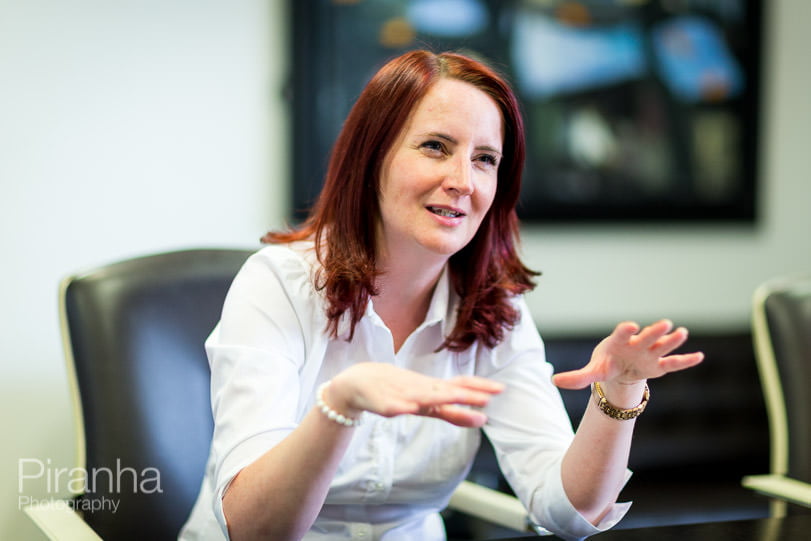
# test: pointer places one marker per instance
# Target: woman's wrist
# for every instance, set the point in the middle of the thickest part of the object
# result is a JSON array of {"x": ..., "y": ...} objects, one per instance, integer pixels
[
  {"x": 624, "y": 394},
  {"x": 331, "y": 413},
  {"x": 338, "y": 394}
]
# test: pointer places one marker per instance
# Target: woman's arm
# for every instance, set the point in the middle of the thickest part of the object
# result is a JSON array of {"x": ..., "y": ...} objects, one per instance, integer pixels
[
  {"x": 593, "y": 468},
  {"x": 280, "y": 494}
]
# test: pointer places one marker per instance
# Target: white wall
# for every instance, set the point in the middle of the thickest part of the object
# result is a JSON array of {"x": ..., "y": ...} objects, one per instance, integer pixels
[
  {"x": 128, "y": 127},
  {"x": 125, "y": 127}
]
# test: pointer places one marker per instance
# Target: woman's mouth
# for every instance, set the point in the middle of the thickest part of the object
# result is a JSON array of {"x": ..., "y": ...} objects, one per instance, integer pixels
[{"x": 446, "y": 212}]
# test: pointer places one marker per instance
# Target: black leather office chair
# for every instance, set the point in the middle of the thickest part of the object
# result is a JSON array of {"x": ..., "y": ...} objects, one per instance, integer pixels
[
  {"x": 781, "y": 328},
  {"x": 133, "y": 336},
  {"x": 134, "y": 333}
]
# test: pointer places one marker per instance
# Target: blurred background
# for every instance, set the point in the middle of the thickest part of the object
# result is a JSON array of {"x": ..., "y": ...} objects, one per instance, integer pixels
[{"x": 135, "y": 127}]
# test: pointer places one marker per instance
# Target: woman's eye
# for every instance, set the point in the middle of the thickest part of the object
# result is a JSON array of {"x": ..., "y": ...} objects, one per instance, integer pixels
[
  {"x": 433, "y": 146},
  {"x": 488, "y": 159}
]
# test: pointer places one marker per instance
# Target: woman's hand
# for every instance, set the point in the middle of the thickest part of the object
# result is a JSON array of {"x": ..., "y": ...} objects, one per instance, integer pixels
[
  {"x": 629, "y": 356},
  {"x": 390, "y": 391}
]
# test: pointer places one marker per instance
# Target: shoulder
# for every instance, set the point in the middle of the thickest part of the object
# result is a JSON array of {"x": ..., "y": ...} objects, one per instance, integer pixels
[
  {"x": 523, "y": 335},
  {"x": 289, "y": 264},
  {"x": 521, "y": 341},
  {"x": 273, "y": 301},
  {"x": 278, "y": 273},
  {"x": 290, "y": 256}
]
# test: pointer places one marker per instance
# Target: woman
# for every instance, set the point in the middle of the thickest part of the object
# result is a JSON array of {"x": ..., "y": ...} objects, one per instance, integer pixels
[{"x": 398, "y": 304}]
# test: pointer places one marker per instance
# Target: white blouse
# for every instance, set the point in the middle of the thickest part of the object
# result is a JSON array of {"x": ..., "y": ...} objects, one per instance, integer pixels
[{"x": 269, "y": 353}]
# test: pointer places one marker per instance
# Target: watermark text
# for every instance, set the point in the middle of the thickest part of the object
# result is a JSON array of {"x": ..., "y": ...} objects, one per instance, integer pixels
[{"x": 37, "y": 476}]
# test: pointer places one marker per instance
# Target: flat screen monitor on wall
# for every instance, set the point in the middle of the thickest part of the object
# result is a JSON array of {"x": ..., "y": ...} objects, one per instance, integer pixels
[{"x": 635, "y": 110}]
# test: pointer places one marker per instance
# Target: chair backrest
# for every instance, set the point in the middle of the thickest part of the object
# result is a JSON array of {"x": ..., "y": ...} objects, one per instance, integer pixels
[
  {"x": 782, "y": 335},
  {"x": 134, "y": 334}
]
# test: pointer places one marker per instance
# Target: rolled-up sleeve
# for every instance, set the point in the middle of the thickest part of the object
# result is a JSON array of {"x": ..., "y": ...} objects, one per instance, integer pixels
[{"x": 551, "y": 508}]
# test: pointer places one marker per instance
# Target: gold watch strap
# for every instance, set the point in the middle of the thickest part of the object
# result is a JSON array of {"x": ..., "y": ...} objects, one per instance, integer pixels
[{"x": 615, "y": 412}]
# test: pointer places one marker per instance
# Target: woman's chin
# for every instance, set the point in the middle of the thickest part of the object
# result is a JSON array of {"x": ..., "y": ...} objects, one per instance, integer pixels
[{"x": 444, "y": 247}]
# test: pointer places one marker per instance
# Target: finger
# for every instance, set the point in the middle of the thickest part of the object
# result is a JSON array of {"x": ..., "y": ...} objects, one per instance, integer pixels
[
  {"x": 652, "y": 333},
  {"x": 624, "y": 331},
  {"x": 438, "y": 398},
  {"x": 464, "y": 397},
  {"x": 669, "y": 342},
  {"x": 426, "y": 395},
  {"x": 674, "y": 363},
  {"x": 478, "y": 383},
  {"x": 460, "y": 416},
  {"x": 575, "y": 379},
  {"x": 393, "y": 407},
  {"x": 465, "y": 390}
]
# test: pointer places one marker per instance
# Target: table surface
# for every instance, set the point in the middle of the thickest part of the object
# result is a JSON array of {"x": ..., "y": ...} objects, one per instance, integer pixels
[{"x": 791, "y": 527}]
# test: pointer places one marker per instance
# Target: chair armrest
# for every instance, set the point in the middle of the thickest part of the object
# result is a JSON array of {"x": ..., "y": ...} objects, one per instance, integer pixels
[
  {"x": 780, "y": 486},
  {"x": 493, "y": 506},
  {"x": 59, "y": 522}
]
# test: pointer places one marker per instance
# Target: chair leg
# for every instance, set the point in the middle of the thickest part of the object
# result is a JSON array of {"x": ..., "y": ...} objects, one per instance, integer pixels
[{"x": 777, "y": 508}]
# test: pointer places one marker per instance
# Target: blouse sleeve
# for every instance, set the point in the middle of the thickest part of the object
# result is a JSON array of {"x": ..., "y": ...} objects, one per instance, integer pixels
[
  {"x": 530, "y": 431},
  {"x": 255, "y": 354}
]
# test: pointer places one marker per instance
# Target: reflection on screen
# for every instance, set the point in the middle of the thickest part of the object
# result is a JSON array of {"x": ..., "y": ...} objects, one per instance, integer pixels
[
  {"x": 694, "y": 60},
  {"x": 552, "y": 58}
]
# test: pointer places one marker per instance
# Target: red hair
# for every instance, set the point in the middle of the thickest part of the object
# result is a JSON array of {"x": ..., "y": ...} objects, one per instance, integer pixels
[{"x": 486, "y": 272}]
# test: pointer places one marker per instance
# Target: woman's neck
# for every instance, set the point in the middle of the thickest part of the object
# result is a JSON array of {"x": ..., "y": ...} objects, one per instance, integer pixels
[{"x": 404, "y": 296}]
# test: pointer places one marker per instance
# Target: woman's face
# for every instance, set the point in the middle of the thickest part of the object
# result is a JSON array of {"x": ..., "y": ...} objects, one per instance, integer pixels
[{"x": 439, "y": 178}]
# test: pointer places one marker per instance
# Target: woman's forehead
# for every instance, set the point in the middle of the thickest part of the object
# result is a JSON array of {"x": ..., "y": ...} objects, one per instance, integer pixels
[{"x": 451, "y": 104}]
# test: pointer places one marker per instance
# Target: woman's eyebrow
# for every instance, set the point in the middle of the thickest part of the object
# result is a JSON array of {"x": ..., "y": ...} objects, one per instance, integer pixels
[
  {"x": 444, "y": 136},
  {"x": 453, "y": 141},
  {"x": 488, "y": 148}
]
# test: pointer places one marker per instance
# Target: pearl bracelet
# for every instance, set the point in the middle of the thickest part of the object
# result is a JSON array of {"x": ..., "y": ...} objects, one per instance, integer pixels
[{"x": 331, "y": 414}]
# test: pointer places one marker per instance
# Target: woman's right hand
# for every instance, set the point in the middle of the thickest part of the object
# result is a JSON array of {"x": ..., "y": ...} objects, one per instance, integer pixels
[{"x": 390, "y": 391}]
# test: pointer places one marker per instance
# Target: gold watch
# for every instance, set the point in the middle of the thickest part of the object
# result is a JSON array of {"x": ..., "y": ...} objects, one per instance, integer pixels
[{"x": 615, "y": 412}]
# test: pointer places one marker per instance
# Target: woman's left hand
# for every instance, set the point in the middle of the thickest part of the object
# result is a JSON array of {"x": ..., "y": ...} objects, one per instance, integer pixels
[{"x": 629, "y": 356}]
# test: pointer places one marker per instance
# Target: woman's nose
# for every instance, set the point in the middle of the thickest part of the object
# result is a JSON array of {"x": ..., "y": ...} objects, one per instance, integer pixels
[{"x": 459, "y": 177}]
